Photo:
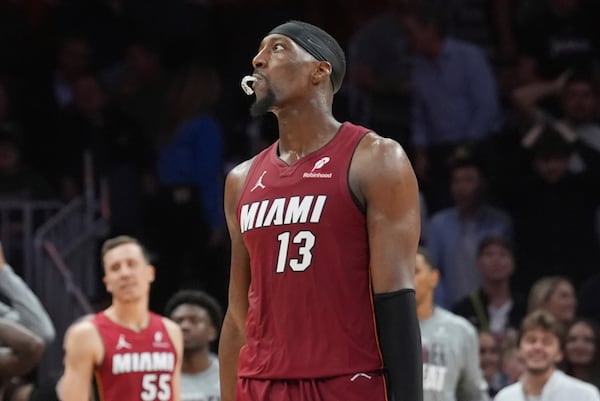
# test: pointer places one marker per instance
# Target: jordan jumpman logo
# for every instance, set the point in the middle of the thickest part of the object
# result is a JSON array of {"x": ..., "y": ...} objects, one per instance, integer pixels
[{"x": 259, "y": 182}]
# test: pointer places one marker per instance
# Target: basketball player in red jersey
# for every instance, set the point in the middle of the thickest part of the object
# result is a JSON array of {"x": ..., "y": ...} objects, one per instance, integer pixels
[
  {"x": 132, "y": 353},
  {"x": 324, "y": 227}
]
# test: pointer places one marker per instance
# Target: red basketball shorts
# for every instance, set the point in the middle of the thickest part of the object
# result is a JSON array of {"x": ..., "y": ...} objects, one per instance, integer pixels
[{"x": 357, "y": 387}]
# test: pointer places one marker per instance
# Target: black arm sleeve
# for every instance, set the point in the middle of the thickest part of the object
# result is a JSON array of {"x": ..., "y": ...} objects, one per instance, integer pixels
[{"x": 400, "y": 342}]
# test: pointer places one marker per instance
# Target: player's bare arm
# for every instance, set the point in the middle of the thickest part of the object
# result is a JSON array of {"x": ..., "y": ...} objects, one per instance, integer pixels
[
  {"x": 177, "y": 339},
  {"x": 83, "y": 351},
  {"x": 23, "y": 349},
  {"x": 383, "y": 179},
  {"x": 232, "y": 333},
  {"x": 390, "y": 194}
]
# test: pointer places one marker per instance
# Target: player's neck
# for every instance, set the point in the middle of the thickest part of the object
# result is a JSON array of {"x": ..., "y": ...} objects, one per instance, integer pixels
[
  {"x": 135, "y": 316},
  {"x": 534, "y": 383},
  {"x": 425, "y": 309},
  {"x": 298, "y": 138},
  {"x": 196, "y": 362}
]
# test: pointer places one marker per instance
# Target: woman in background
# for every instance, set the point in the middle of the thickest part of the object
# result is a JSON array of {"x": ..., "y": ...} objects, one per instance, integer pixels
[{"x": 582, "y": 357}]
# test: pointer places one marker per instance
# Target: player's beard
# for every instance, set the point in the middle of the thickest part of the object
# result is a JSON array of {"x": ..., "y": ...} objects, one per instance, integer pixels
[{"x": 262, "y": 106}]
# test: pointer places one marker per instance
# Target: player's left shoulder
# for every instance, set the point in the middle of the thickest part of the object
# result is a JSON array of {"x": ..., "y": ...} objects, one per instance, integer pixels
[
  {"x": 173, "y": 329},
  {"x": 170, "y": 325},
  {"x": 460, "y": 323},
  {"x": 374, "y": 145},
  {"x": 386, "y": 154}
]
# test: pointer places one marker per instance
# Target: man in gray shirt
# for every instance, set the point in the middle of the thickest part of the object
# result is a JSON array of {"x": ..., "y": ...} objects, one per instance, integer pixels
[
  {"x": 200, "y": 316},
  {"x": 451, "y": 370}
]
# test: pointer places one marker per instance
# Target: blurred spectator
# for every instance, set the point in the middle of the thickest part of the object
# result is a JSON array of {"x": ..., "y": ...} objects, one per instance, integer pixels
[
  {"x": 561, "y": 34},
  {"x": 540, "y": 344},
  {"x": 455, "y": 97},
  {"x": 556, "y": 295},
  {"x": 121, "y": 155},
  {"x": 455, "y": 233},
  {"x": 18, "y": 180},
  {"x": 140, "y": 88},
  {"x": 495, "y": 307},
  {"x": 379, "y": 75},
  {"x": 49, "y": 91},
  {"x": 102, "y": 23},
  {"x": 489, "y": 357},
  {"x": 575, "y": 118},
  {"x": 451, "y": 367},
  {"x": 582, "y": 351},
  {"x": 512, "y": 364},
  {"x": 73, "y": 60},
  {"x": 200, "y": 316},
  {"x": 191, "y": 145},
  {"x": 554, "y": 213},
  {"x": 488, "y": 24},
  {"x": 190, "y": 184}
]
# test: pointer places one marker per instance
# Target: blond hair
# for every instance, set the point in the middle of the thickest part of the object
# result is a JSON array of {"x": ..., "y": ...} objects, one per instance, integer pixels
[{"x": 542, "y": 290}]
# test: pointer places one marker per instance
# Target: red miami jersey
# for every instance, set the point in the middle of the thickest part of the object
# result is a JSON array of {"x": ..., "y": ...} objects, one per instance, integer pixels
[
  {"x": 310, "y": 300},
  {"x": 136, "y": 365}
]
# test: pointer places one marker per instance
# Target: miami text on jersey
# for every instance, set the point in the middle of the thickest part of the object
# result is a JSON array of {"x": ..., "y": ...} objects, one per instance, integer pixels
[
  {"x": 143, "y": 362},
  {"x": 282, "y": 211}
]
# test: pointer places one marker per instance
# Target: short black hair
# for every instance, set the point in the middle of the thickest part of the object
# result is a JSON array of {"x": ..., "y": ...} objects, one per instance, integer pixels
[
  {"x": 465, "y": 155},
  {"x": 198, "y": 298},
  {"x": 494, "y": 239},
  {"x": 551, "y": 145},
  {"x": 426, "y": 13}
]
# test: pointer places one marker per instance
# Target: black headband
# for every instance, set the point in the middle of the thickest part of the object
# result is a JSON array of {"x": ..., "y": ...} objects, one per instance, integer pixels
[{"x": 319, "y": 44}]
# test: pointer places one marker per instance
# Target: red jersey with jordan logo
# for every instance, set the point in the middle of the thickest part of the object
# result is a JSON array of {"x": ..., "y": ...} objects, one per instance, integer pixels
[
  {"x": 136, "y": 365},
  {"x": 310, "y": 304}
]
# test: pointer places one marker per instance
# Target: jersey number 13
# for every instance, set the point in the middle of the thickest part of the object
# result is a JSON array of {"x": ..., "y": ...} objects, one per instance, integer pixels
[{"x": 301, "y": 261}]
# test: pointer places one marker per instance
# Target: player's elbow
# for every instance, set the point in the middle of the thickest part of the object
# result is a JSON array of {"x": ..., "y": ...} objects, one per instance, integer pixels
[{"x": 28, "y": 356}]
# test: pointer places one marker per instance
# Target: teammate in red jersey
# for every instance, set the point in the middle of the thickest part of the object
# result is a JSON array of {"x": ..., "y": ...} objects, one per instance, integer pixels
[
  {"x": 324, "y": 227},
  {"x": 132, "y": 353}
]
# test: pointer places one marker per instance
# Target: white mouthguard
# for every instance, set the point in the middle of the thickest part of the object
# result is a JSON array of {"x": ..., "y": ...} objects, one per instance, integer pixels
[{"x": 245, "y": 86}]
